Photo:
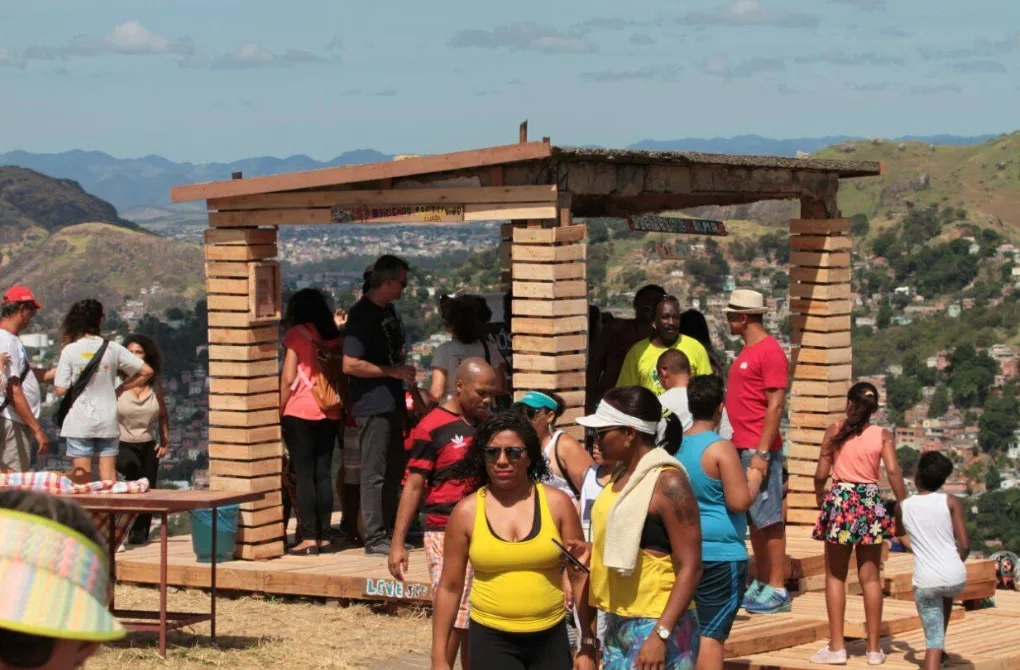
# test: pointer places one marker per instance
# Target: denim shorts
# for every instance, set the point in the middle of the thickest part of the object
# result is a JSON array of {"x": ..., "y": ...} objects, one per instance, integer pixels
[
  {"x": 87, "y": 447},
  {"x": 767, "y": 509}
]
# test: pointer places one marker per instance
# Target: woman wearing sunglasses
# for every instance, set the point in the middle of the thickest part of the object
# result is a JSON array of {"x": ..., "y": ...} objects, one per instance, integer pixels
[
  {"x": 646, "y": 541},
  {"x": 509, "y": 530}
]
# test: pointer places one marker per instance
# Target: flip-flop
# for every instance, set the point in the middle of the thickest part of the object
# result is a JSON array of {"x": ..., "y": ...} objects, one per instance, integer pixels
[{"x": 307, "y": 551}]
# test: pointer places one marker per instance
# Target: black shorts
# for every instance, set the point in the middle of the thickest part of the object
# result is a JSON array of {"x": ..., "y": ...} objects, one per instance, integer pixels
[
  {"x": 498, "y": 650},
  {"x": 719, "y": 595}
]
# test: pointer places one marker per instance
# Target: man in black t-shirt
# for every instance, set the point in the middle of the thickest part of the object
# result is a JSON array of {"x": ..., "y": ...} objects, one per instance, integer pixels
[{"x": 374, "y": 357}]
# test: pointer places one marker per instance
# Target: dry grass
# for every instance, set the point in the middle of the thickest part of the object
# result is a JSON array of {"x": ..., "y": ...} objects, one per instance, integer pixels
[{"x": 268, "y": 632}]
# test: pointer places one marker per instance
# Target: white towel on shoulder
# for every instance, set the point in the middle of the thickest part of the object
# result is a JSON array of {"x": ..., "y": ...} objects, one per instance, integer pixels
[{"x": 630, "y": 509}]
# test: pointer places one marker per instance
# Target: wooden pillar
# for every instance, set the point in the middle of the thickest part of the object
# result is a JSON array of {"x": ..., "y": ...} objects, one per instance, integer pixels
[
  {"x": 820, "y": 323},
  {"x": 245, "y": 451},
  {"x": 550, "y": 312}
]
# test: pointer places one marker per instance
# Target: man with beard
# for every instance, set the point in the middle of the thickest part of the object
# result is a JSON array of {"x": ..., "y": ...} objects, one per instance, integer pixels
[
  {"x": 611, "y": 344},
  {"x": 640, "y": 367},
  {"x": 437, "y": 445}
]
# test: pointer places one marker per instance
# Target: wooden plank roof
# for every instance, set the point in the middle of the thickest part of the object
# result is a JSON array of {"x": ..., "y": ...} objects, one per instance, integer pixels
[{"x": 503, "y": 155}]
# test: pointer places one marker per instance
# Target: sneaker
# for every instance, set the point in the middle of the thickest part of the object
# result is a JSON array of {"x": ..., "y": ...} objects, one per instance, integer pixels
[
  {"x": 770, "y": 600},
  {"x": 876, "y": 657},
  {"x": 826, "y": 656},
  {"x": 378, "y": 549},
  {"x": 751, "y": 595}
]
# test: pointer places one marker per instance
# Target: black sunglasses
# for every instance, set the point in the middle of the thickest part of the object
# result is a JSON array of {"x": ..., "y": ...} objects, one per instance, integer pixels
[
  {"x": 600, "y": 433},
  {"x": 513, "y": 454}
]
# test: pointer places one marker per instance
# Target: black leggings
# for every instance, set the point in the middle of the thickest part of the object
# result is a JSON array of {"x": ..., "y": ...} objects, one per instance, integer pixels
[
  {"x": 498, "y": 650},
  {"x": 136, "y": 460},
  {"x": 310, "y": 445}
]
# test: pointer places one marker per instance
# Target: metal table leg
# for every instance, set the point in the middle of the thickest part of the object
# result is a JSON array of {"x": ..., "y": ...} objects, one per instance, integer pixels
[
  {"x": 212, "y": 579},
  {"x": 112, "y": 540},
  {"x": 162, "y": 583}
]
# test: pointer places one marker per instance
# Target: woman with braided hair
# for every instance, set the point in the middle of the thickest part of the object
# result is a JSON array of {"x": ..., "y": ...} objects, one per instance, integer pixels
[{"x": 853, "y": 517}]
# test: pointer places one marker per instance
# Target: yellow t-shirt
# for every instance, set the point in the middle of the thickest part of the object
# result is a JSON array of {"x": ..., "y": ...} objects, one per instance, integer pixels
[{"x": 639, "y": 367}]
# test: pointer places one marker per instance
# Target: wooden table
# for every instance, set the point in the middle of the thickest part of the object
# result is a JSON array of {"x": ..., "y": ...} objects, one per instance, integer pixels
[{"x": 162, "y": 502}]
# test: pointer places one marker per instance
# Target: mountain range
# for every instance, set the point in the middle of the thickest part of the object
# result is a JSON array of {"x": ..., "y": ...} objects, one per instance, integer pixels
[{"x": 144, "y": 183}]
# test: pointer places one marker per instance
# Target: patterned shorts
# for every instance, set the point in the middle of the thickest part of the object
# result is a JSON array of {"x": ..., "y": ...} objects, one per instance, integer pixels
[
  {"x": 853, "y": 514},
  {"x": 434, "y": 558},
  {"x": 625, "y": 637}
]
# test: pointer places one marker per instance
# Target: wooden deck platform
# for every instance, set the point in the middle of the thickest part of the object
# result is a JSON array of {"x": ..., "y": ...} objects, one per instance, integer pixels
[
  {"x": 980, "y": 641},
  {"x": 347, "y": 574}
]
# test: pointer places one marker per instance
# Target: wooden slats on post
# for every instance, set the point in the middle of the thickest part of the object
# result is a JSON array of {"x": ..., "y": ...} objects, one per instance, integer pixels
[
  {"x": 245, "y": 449},
  {"x": 550, "y": 311},
  {"x": 820, "y": 305}
]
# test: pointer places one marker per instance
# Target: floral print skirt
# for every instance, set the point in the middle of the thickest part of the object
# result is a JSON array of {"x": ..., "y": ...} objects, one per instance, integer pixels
[{"x": 853, "y": 514}]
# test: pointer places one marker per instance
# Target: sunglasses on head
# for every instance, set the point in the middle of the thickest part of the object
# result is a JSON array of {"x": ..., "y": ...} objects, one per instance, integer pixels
[{"x": 513, "y": 454}]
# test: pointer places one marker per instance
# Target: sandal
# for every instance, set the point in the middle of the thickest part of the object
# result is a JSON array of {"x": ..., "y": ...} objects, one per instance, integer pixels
[{"x": 310, "y": 550}]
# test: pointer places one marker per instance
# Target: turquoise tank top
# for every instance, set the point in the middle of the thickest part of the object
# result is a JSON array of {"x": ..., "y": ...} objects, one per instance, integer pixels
[{"x": 722, "y": 531}]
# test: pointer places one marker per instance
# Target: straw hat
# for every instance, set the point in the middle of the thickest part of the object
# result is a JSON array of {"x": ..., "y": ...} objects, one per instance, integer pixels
[
  {"x": 53, "y": 581},
  {"x": 746, "y": 301}
]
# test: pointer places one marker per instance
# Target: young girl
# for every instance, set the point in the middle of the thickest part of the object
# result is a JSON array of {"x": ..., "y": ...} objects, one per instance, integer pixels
[
  {"x": 937, "y": 534},
  {"x": 853, "y": 517}
]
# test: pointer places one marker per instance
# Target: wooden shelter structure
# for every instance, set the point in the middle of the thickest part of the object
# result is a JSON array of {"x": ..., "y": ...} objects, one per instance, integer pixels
[{"x": 539, "y": 188}]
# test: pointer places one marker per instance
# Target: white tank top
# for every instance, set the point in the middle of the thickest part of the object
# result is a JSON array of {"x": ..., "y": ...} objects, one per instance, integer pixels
[
  {"x": 590, "y": 490},
  {"x": 553, "y": 480},
  {"x": 930, "y": 529}
]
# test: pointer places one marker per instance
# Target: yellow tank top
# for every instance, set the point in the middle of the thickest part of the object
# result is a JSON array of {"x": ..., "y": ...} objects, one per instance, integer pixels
[
  {"x": 642, "y": 593},
  {"x": 517, "y": 587}
]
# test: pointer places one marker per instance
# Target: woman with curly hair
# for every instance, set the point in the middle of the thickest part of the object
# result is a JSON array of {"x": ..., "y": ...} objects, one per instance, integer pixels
[
  {"x": 141, "y": 413},
  {"x": 853, "y": 518},
  {"x": 509, "y": 530},
  {"x": 90, "y": 426}
]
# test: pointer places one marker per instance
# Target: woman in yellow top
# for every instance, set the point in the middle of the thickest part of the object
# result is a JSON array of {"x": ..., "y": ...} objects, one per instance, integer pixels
[
  {"x": 508, "y": 529},
  {"x": 646, "y": 541}
]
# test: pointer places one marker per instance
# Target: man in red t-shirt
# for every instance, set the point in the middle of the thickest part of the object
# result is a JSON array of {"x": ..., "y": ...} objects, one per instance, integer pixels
[
  {"x": 755, "y": 398},
  {"x": 436, "y": 446}
]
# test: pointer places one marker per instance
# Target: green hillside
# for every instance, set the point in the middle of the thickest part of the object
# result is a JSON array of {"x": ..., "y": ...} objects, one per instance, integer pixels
[{"x": 110, "y": 263}]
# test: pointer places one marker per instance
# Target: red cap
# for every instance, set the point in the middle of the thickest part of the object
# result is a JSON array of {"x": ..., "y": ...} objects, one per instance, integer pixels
[{"x": 20, "y": 294}]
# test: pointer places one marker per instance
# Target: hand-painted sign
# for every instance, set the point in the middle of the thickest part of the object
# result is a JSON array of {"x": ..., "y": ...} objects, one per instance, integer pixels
[
  {"x": 391, "y": 588},
  {"x": 264, "y": 292},
  {"x": 398, "y": 214},
  {"x": 667, "y": 224}
]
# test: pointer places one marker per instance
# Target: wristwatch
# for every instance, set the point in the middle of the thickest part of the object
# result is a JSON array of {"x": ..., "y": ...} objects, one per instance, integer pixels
[
  {"x": 764, "y": 454},
  {"x": 662, "y": 632},
  {"x": 590, "y": 643}
]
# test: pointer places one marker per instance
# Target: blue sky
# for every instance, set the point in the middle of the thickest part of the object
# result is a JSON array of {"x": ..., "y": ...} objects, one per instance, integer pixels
[{"x": 207, "y": 80}]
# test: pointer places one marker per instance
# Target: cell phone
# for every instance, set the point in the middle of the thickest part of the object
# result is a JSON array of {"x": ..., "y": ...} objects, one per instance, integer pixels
[{"x": 570, "y": 557}]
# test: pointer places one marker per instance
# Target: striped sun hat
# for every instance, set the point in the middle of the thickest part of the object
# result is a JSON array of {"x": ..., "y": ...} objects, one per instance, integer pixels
[{"x": 53, "y": 580}]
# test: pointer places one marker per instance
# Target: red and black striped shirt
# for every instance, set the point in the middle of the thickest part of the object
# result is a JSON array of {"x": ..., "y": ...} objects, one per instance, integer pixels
[{"x": 436, "y": 445}]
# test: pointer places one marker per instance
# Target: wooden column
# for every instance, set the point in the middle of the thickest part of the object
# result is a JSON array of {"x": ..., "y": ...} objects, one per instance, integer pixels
[
  {"x": 550, "y": 312},
  {"x": 820, "y": 323},
  {"x": 245, "y": 451}
]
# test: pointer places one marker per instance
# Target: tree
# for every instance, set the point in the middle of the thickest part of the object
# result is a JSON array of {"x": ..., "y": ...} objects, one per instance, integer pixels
[
  {"x": 939, "y": 404},
  {"x": 908, "y": 459},
  {"x": 971, "y": 376},
  {"x": 884, "y": 317},
  {"x": 859, "y": 225},
  {"x": 915, "y": 367},
  {"x": 993, "y": 480},
  {"x": 902, "y": 393},
  {"x": 999, "y": 421},
  {"x": 175, "y": 314}
]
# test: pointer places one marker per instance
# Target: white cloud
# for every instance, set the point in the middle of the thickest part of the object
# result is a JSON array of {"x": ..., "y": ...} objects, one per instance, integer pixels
[
  {"x": 130, "y": 38},
  {"x": 11, "y": 58},
  {"x": 719, "y": 66},
  {"x": 521, "y": 36},
  {"x": 252, "y": 55},
  {"x": 656, "y": 73},
  {"x": 863, "y": 5},
  {"x": 835, "y": 57},
  {"x": 979, "y": 48},
  {"x": 749, "y": 13}
]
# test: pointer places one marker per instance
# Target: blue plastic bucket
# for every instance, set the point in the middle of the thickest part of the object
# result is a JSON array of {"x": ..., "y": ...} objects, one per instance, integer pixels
[{"x": 226, "y": 533}]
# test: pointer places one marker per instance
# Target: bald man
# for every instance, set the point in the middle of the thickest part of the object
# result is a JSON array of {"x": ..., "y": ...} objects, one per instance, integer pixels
[{"x": 437, "y": 445}]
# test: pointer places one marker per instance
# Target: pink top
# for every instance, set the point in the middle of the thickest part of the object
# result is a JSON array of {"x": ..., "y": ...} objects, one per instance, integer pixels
[
  {"x": 302, "y": 403},
  {"x": 858, "y": 460},
  {"x": 758, "y": 368}
]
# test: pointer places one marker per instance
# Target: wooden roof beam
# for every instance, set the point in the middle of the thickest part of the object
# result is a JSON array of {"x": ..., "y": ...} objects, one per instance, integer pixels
[{"x": 511, "y": 153}]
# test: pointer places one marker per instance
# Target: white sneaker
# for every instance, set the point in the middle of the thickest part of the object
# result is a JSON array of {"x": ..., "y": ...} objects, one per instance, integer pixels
[
  {"x": 826, "y": 656},
  {"x": 876, "y": 657}
]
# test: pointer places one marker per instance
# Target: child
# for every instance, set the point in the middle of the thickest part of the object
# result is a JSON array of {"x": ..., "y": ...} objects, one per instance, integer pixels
[
  {"x": 853, "y": 519},
  {"x": 53, "y": 575},
  {"x": 937, "y": 534}
]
